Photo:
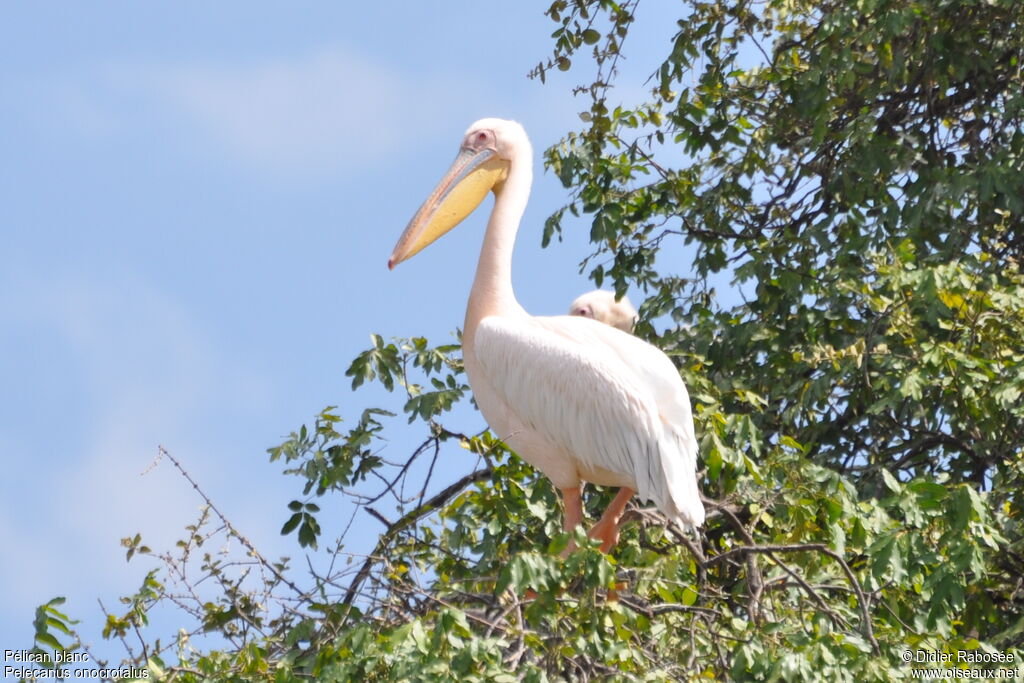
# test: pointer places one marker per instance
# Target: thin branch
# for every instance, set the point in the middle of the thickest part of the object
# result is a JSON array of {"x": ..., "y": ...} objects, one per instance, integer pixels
[
  {"x": 229, "y": 526},
  {"x": 403, "y": 522}
]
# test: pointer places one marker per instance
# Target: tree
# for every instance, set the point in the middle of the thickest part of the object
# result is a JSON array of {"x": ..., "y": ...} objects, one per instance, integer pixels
[{"x": 855, "y": 171}]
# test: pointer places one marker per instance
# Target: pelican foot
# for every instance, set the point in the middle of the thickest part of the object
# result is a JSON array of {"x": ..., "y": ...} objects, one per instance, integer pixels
[{"x": 606, "y": 531}]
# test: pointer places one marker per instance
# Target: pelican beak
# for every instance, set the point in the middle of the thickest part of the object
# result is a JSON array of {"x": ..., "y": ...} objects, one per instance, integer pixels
[{"x": 473, "y": 174}]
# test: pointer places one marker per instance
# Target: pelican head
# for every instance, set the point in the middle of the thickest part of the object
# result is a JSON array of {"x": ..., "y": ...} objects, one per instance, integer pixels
[
  {"x": 489, "y": 148},
  {"x": 602, "y": 306}
]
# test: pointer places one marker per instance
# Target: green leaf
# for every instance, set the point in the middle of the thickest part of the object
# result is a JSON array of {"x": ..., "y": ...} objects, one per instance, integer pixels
[
  {"x": 291, "y": 524},
  {"x": 891, "y": 482}
]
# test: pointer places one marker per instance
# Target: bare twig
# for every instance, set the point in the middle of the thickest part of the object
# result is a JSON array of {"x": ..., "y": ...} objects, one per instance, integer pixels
[
  {"x": 407, "y": 519},
  {"x": 862, "y": 601}
]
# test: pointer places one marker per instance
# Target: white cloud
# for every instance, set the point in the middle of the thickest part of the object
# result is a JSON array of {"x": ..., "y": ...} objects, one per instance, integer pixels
[
  {"x": 328, "y": 112},
  {"x": 141, "y": 373},
  {"x": 323, "y": 112},
  {"x": 309, "y": 112}
]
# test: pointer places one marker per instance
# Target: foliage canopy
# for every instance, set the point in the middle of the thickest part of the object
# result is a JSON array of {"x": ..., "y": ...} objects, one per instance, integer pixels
[{"x": 855, "y": 172}]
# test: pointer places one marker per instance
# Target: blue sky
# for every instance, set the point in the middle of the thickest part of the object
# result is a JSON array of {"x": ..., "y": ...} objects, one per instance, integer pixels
[{"x": 199, "y": 200}]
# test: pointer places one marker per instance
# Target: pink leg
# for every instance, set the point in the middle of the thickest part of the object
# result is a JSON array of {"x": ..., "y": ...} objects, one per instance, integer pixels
[
  {"x": 573, "y": 507},
  {"x": 573, "y": 500},
  {"x": 607, "y": 528}
]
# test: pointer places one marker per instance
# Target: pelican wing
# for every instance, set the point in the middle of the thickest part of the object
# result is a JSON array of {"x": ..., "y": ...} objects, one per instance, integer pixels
[{"x": 613, "y": 401}]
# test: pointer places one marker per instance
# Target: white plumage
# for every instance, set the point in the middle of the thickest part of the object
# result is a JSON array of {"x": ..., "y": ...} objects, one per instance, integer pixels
[
  {"x": 579, "y": 400},
  {"x": 613, "y": 405}
]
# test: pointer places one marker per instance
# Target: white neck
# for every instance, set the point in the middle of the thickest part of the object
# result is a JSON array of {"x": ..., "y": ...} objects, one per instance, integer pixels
[{"x": 492, "y": 288}]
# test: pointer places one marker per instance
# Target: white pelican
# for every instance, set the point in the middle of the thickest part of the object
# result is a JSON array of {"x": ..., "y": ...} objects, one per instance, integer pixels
[
  {"x": 601, "y": 305},
  {"x": 577, "y": 399}
]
